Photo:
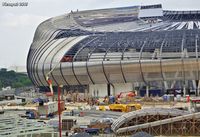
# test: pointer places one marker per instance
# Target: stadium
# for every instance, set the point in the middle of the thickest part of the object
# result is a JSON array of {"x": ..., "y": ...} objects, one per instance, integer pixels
[{"x": 108, "y": 51}]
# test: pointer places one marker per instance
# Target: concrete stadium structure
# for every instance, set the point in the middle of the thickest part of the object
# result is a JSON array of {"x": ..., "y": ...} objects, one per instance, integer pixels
[{"x": 114, "y": 50}]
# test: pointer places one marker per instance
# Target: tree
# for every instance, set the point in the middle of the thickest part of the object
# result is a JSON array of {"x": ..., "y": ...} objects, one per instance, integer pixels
[{"x": 13, "y": 79}]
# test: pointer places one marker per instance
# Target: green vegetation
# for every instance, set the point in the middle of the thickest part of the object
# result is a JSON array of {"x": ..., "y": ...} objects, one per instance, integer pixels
[{"x": 13, "y": 79}]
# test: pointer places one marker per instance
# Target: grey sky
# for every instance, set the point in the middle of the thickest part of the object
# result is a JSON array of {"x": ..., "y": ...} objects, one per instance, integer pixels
[{"x": 18, "y": 24}]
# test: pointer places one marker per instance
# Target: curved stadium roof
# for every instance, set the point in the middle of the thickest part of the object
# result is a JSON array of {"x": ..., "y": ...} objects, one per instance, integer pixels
[{"x": 115, "y": 46}]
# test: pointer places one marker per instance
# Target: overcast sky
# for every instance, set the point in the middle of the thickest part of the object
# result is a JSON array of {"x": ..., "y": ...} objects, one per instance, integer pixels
[{"x": 18, "y": 24}]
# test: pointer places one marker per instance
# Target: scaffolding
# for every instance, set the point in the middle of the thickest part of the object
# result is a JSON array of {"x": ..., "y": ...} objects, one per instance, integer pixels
[
  {"x": 12, "y": 125},
  {"x": 168, "y": 122}
]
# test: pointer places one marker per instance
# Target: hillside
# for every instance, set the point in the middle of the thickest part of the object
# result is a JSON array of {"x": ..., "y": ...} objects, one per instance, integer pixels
[{"x": 13, "y": 79}]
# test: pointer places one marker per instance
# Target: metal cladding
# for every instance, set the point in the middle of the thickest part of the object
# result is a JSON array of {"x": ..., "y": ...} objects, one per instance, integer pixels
[{"x": 115, "y": 46}]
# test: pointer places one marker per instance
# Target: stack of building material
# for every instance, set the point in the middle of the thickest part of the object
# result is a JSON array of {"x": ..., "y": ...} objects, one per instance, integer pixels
[{"x": 67, "y": 124}]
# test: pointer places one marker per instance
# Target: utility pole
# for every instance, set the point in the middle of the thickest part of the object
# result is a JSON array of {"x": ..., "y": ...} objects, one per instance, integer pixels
[
  {"x": 51, "y": 94},
  {"x": 59, "y": 111}
]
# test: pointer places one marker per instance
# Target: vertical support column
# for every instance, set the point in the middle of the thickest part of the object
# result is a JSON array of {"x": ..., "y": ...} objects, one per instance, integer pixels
[
  {"x": 164, "y": 43},
  {"x": 54, "y": 89},
  {"x": 108, "y": 89},
  {"x": 197, "y": 87},
  {"x": 147, "y": 91},
  {"x": 184, "y": 90},
  {"x": 197, "y": 62},
  {"x": 183, "y": 56},
  {"x": 194, "y": 84},
  {"x": 88, "y": 93},
  {"x": 165, "y": 85},
  {"x": 113, "y": 89},
  {"x": 140, "y": 58},
  {"x": 59, "y": 111},
  {"x": 133, "y": 86},
  {"x": 174, "y": 81},
  {"x": 198, "y": 90}
]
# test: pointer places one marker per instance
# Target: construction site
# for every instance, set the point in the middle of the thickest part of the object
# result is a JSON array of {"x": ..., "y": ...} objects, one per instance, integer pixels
[
  {"x": 123, "y": 115},
  {"x": 117, "y": 72}
]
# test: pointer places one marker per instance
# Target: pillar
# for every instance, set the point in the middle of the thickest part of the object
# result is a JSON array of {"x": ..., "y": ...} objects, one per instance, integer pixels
[
  {"x": 108, "y": 89},
  {"x": 147, "y": 91},
  {"x": 198, "y": 88},
  {"x": 184, "y": 90}
]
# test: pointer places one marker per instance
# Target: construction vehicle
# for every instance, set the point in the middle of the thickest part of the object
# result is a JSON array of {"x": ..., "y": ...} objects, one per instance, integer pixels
[
  {"x": 124, "y": 97},
  {"x": 124, "y": 107},
  {"x": 120, "y": 107},
  {"x": 117, "y": 105},
  {"x": 127, "y": 94}
]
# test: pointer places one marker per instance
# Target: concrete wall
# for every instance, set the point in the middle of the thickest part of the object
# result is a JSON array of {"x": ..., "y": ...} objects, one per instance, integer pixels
[{"x": 101, "y": 89}]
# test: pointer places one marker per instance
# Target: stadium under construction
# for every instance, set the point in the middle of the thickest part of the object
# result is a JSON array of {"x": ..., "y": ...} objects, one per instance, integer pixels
[{"x": 108, "y": 51}]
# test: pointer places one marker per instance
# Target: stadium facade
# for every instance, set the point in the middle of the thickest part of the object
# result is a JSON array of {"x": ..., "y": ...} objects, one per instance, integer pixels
[{"x": 113, "y": 50}]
